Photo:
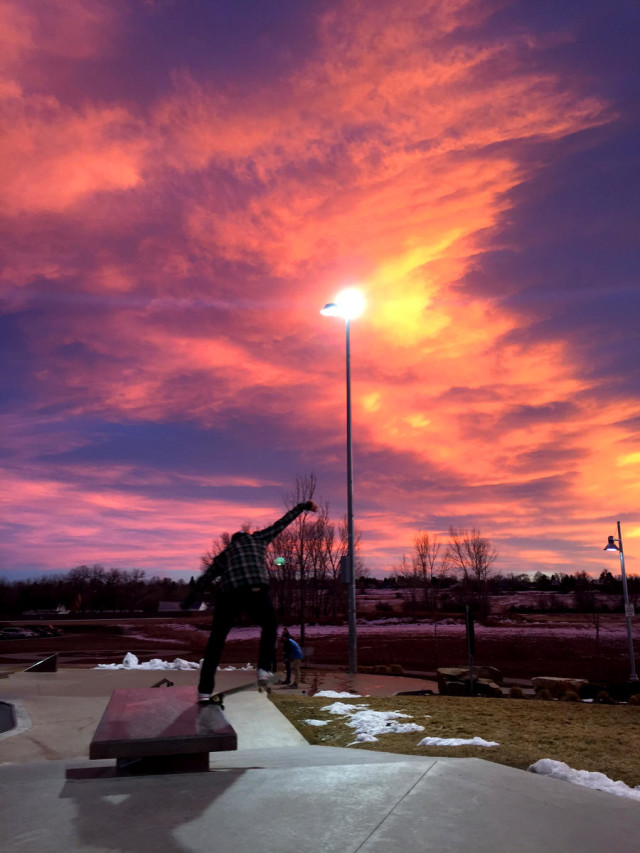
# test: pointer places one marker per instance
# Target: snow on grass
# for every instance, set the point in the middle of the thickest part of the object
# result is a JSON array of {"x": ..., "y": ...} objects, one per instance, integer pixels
[
  {"x": 333, "y": 694},
  {"x": 368, "y": 723},
  {"x": 456, "y": 741},
  {"x": 585, "y": 778}
]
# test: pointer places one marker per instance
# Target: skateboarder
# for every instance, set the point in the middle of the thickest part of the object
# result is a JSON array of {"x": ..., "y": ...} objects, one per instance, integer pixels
[{"x": 243, "y": 585}]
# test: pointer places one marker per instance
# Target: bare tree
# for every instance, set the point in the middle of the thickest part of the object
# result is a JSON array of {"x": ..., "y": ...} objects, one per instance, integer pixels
[
  {"x": 217, "y": 546},
  {"x": 471, "y": 556},
  {"x": 301, "y": 537},
  {"x": 425, "y": 559}
]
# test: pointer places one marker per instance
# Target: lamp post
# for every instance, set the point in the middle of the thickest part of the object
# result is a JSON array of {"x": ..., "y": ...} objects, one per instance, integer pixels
[
  {"x": 628, "y": 608},
  {"x": 349, "y": 304}
]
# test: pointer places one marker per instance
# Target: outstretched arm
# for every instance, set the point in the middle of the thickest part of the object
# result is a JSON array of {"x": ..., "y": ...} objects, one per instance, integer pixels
[{"x": 270, "y": 533}]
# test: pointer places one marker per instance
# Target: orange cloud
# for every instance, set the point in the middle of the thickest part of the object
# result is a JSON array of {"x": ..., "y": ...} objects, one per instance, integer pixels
[{"x": 206, "y": 229}]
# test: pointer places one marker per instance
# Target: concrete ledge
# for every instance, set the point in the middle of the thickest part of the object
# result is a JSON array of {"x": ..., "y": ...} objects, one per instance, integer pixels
[{"x": 161, "y": 722}]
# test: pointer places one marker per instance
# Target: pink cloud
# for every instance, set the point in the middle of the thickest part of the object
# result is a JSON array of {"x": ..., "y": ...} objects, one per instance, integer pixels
[{"x": 191, "y": 240}]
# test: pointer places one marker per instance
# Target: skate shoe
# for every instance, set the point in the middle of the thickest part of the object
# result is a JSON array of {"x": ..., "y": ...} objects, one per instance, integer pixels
[
  {"x": 265, "y": 678},
  {"x": 203, "y": 697}
]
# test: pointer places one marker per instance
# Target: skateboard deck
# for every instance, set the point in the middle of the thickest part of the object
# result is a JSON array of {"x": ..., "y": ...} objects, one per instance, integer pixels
[{"x": 218, "y": 697}]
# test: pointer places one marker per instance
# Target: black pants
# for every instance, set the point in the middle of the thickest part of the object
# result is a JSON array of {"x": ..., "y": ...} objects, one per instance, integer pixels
[{"x": 229, "y": 606}]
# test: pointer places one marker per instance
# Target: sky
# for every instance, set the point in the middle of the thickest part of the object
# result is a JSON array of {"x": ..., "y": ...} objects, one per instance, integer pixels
[{"x": 184, "y": 184}]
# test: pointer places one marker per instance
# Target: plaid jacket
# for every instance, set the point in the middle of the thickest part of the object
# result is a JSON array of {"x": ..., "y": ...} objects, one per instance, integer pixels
[{"x": 244, "y": 561}]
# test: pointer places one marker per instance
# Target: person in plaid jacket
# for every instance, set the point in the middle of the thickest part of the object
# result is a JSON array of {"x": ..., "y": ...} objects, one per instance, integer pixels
[{"x": 243, "y": 584}]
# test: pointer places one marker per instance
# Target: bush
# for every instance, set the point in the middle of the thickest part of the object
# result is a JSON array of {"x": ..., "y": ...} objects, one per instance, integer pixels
[
  {"x": 570, "y": 696},
  {"x": 635, "y": 699},
  {"x": 544, "y": 694},
  {"x": 603, "y": 698},
  {"x": 516, "y": 693}
]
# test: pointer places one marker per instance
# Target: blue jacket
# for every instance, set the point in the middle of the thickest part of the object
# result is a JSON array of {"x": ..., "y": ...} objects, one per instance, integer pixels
[{"x": 294, "y": 650}]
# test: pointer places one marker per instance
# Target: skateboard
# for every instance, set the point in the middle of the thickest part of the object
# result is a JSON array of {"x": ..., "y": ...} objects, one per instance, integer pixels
[{"x": 262, "y": 687}]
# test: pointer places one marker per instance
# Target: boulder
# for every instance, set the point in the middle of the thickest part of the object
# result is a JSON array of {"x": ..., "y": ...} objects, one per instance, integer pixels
[
  {"x": 459, "y": 673},
  {"x": 451, "y": 688},
  {"x": 558, "y": 686},
  {"x": 456, "y": 681}
]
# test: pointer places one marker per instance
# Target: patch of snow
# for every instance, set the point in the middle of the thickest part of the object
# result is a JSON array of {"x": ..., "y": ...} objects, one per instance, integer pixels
[
  {"x": 343, "y": 708},
  {"x": 585, "y": 778},
  {"x": 363, "y": 737},
  {"x": 368, "y": 723},
  {"x": 130, "y": 661},
  {"x": 316, "y": 722},
  {"x": 456, "y": 741},
  {"x": 333, "y": 694}
]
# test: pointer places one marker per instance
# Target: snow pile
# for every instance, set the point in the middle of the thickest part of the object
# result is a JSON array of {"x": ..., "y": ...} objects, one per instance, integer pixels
[
  {"x": 367, "y": 723},
  {"x": 586, "y": 778},
  {"x": 130, "y": 661},
  {"x": 456, "y": 741},
  {"x": 333, "y": 694}
]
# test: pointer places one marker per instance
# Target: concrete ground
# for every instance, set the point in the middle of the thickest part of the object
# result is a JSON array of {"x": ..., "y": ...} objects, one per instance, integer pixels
[{"x": 275, "y": 793}]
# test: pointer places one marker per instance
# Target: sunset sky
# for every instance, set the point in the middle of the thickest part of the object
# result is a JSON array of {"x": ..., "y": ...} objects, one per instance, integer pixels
[{"x": 185, "y": 183}]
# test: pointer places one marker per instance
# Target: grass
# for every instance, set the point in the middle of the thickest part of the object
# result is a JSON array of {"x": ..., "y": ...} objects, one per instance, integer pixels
[{"x": 604, "y": 738}]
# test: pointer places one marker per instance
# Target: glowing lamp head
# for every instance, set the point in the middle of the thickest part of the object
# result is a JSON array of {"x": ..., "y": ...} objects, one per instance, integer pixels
[
  {"x": 330, "y": 310},
  {"x": 611, "y": 545},
  {"x": 349, "y": 304}
]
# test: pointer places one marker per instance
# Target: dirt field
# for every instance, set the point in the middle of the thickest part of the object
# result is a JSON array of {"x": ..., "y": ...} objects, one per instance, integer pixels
[{"x": 524, "y": 654}]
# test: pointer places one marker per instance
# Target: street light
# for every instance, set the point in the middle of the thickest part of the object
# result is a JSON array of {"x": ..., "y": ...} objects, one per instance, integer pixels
[
  {"x": 628, "y": 608},
  {"x": 349, "y": 304}
]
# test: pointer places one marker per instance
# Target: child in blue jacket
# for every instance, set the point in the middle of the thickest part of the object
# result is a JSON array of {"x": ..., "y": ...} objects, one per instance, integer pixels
[{"x": 293, "y": 652}]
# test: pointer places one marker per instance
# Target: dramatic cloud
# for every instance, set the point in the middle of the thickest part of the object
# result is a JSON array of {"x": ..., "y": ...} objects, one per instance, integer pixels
[{"x": 183, "y": 187}]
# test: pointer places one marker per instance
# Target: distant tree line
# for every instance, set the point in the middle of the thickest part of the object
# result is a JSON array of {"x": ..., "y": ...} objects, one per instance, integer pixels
[
  {"x": 89, "y": 589},
  {"x": 307, "y": 583},
  {"x": 460, "y": 573}
]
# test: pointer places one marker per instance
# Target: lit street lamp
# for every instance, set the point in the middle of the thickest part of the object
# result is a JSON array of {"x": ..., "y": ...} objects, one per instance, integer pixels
[
  {"x": 628, "y": 608},
  {"x": 349, "y": 304}
]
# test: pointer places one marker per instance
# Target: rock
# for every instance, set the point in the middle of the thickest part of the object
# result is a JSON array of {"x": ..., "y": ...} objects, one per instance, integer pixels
[
  {"x": 455, "y": 681},
  {"x": 558, "y": 686},
  {"x": 451, "y": 688},
  {"x": 484, "y": 687},
  {"x": 460, "y": 673},
  {"x": 456, "y": 672}
]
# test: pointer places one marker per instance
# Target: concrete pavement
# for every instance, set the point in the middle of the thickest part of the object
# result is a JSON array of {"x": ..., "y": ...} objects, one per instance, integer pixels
[{"x": 275, "y": 793}]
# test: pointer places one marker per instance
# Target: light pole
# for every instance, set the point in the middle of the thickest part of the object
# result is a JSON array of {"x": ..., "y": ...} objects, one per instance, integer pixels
[
  {"x": 349, "y": 304},
  {"x": 628, "y": 608}
]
